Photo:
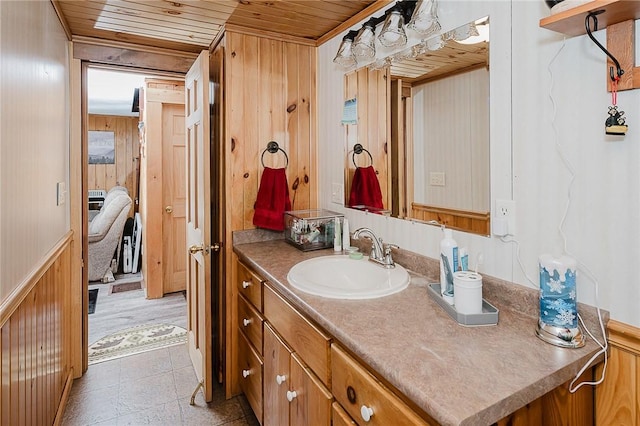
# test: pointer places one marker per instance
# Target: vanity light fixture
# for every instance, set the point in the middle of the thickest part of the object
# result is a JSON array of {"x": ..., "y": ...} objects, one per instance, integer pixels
[{"x": 345, "y": 56}]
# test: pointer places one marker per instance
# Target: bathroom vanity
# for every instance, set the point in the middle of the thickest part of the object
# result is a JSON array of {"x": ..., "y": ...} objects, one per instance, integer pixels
[{"x": 399, "y": 359}]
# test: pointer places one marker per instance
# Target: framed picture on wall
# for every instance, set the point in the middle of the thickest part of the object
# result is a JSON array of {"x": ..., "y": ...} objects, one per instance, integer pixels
[{"x": 102, "y": 147}]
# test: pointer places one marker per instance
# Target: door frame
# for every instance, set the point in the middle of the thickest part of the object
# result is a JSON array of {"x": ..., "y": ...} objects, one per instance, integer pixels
[{"x": 78, "y": 183}]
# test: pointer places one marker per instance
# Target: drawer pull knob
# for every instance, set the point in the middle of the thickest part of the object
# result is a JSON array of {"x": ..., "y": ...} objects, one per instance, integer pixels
[
  {"x": 245, "y": 373},
  {"x": 280, "y": 378},
  {"x": 246, "y": 284},
  {"x": 366, "y": 413},
  {"x": 291, "y": 395},
  {"x": 246, "y": 322}
]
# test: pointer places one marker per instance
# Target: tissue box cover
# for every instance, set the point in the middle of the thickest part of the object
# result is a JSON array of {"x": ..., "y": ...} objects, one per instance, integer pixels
[{"x": 310, "y": 229}]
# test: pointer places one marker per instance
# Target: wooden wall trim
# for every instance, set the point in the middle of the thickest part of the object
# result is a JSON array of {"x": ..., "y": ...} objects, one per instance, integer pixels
[
  {"x": 64, "y": 399},
  {"x": 141, "y": 57},
  {"x": 624, "y": 336},
  {"x": 370, "y": 10},
  {"x": 17, "y": 296},
  {"x": 269, "y": 35},
  {"x": 464, "y": 220}
]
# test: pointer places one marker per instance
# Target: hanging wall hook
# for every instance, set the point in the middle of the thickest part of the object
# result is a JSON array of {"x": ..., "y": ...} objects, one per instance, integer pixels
[{"x": 593, "y": 16}]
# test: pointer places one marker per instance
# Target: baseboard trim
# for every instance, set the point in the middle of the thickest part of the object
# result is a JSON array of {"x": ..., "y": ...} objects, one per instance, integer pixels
[{"x": 64, "y": 399}]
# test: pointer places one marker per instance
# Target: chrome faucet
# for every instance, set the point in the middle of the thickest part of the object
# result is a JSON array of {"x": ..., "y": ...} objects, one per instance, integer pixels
[{"x": 380, "y": 252}]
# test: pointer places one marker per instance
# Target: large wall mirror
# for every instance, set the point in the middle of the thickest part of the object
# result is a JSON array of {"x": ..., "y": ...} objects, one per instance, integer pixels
[{"x": 424, "y": 127}]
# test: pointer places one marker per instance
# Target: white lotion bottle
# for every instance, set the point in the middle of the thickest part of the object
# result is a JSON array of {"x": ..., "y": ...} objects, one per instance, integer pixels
[
  {"x": 448, "y": 253},
  {"x": 346, "y": 236},
  {"x": 337, "y": 235}
]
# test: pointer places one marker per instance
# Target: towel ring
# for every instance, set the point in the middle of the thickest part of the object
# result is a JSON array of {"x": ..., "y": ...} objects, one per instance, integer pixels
[
  {"x": 357, "y": 149},
  {"x": 273, "y": 147}
]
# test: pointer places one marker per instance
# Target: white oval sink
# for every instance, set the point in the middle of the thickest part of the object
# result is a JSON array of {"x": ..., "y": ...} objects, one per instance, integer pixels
[{"x": 340, "y": 277}]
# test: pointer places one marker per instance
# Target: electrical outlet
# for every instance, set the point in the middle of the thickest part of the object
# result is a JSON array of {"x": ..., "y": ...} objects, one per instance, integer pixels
[
  {"x": 337, "y": 194},
  {"x": 436, "y": 178},
  {"x": 506, "y": 210},
  {"x": 61, "y": 192}
]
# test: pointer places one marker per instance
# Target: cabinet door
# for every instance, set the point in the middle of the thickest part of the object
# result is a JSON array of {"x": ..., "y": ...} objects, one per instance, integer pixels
[
  {"x": 276, "y": 379},
  {"x": 250, "y": 374},
  {"x": 310, "y": 401}
]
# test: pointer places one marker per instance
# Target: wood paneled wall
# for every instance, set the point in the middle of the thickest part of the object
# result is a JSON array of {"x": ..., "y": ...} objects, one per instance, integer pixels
[
  {"x": 264, "y": 90},
  {"x": 35, "y": 339},
  {"x": 126, "y": 168},
  {"x": 270, "y": 94},
  {"x": 618, "y": 397},
  {"x": 369, "y": 87}
]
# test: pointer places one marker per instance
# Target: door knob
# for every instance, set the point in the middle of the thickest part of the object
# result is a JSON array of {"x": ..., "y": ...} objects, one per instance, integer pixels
[
  {"x": 195, "y": 249},
  {"x": 168, "y": 209}
]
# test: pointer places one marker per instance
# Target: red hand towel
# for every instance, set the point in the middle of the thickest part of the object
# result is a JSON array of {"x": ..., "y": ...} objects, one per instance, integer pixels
[
  {"x": 272, "y": 200},
  {"x": 365, "y": 189}
]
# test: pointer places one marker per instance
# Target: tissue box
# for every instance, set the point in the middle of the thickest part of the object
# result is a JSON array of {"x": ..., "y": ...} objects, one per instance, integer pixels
[{"x": 310, "y": 229}]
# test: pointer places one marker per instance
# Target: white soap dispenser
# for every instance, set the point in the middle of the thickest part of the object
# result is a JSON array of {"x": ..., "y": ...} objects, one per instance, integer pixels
[
  {"x": 448, "y": 264},
  {"x": 337, "y": 235}
]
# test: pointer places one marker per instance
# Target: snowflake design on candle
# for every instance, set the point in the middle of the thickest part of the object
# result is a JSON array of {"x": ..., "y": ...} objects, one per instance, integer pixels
[
  {"x": 572, "y": 295},
  {"x": 555, "y": 286},
  {"x": 565, "y": 316}
]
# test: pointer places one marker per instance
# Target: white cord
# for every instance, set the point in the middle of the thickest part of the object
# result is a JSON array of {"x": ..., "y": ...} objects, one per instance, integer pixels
[{"x": 603, "y": 346}]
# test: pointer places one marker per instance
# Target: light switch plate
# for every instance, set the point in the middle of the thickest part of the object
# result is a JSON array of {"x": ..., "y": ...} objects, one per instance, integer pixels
[
  {"x": 436, "y": 178},
  {"x": 61, "y": 189}
]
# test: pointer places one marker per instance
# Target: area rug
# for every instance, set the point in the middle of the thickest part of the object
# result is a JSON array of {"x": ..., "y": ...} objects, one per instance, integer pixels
[
  {"x": 136, "y": 340},
  {"x": 93, "y": 299}
]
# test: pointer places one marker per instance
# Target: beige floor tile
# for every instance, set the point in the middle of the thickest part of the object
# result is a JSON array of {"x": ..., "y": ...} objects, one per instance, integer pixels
[
  {"x": 91, "y": 407},
  {"x": 98, "y": 376},
  {"x": 211, "y": 414},
  {"x": 140, "y": 394},
  {"x": 145, "y": 364},
  {"x": 167, "y": 414},
  {"x": 179, "y": 355},
  {"x": 186, "y": 381}
]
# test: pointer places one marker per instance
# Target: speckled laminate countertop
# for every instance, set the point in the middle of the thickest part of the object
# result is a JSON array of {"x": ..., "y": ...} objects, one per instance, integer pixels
[{"x": 458, "y": 375}]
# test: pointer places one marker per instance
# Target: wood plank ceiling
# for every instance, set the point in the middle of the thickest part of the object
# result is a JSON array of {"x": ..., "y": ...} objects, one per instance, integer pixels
[{"x": 191, "y": 26}]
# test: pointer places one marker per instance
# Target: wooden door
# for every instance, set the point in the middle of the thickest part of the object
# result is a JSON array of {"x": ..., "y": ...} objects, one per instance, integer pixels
[
  {"x": 198, "y": 222},
  {"x": 173, "y": 198}
]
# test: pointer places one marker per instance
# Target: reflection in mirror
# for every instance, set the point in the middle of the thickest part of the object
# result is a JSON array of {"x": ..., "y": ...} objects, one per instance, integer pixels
[{"x": 436, "y": 164}]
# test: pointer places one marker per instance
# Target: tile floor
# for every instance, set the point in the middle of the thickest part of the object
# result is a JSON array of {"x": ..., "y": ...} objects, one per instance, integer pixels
[{"x": 152, "y": 388}]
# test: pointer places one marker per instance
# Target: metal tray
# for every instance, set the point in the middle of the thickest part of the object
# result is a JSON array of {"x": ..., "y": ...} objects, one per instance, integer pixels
[{"x": 489, "y": 315}]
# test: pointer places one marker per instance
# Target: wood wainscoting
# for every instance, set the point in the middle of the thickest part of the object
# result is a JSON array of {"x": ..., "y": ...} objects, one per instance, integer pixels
[
  {"x": 35, "y": 367},
  {"x": 618, "y": 396}
]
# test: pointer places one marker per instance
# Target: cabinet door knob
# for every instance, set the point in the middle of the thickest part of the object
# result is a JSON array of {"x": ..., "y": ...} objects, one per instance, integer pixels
[
  {"x": 366, "y": 413},
  {"x": 281, "y": 378},
  {"x": 245, "y": 373},
  {"x": 246, "y": 322},
  {"x": 246, "y": 284},
  {"x": 291, "y": 395}
]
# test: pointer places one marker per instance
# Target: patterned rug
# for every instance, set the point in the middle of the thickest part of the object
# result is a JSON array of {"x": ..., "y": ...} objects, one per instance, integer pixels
[{"x": 136, "y": 340}]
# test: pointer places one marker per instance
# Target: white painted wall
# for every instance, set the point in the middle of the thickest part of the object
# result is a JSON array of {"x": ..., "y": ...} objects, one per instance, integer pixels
[
  {"x": 34, "y": 137},
  {"x": 602, "y": 225}
]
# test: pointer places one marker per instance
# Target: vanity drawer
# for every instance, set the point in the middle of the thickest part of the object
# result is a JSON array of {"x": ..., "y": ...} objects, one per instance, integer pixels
[
  {"x": 250, "y": 286},
  {"x": 303, "y": 337},
  {"x": 250, "y": 322},
  {"x": 250, "y": 372},
  {"x": 355, "y": 388}
]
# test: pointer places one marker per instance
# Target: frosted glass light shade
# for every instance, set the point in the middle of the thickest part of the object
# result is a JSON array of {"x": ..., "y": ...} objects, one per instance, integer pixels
[
  {"x": 345, "y": 56},
  {"x": 364, "y": 43},
  {"x": 392, "y": 34},
  {"x": 424, "y": 19}
]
